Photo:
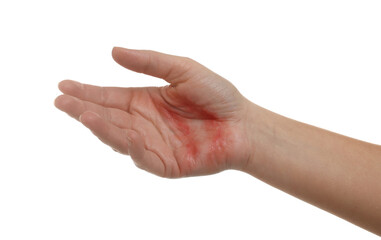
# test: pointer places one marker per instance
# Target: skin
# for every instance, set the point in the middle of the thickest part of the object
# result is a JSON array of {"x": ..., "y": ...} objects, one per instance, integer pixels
[{"x": 200, "y": 124}]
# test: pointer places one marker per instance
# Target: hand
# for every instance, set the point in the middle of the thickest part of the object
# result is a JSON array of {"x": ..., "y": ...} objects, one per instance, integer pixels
[{"x": 194, "y": 126}]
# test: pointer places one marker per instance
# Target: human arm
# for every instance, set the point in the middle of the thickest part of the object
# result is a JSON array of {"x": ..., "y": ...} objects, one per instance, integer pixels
[
  {"x": 339, "y": 174},
  {"x": 200, "y": 124}
]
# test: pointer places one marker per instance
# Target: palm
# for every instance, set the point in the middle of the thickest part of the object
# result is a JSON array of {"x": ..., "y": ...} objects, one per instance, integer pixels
[{"x": 190, "y": 127}]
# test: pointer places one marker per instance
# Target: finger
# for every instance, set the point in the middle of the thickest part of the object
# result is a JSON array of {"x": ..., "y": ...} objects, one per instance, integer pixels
[
  {"x": 75, "y": 107},
  {"x": 168, "y": 67},
  {"x": 106, "y": 96},
  {"x": 124, "y": 141},
  {"x": 108, "y": 133}
]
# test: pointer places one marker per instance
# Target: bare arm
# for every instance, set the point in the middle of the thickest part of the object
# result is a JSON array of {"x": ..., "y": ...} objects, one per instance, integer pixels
[
  {"x": 200, "y": 124},
  {"x": 336, "y": 173}
]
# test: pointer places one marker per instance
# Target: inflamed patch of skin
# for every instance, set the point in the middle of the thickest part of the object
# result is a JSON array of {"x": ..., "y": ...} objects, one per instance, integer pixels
[{"x": 204, "y": 137}]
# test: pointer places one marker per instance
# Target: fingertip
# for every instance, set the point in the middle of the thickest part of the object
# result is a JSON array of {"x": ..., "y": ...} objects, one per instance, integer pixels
[
  {"x": 56, "y": 104},
  {"x": 124, "y": 56},
  {"x": 115, "y": 52},
  {"x": 68, "y": 86},
  {"x": 63, "y": 84},
  {"x": 61, "y": 101},
  {"x": 116, "y": 48}
]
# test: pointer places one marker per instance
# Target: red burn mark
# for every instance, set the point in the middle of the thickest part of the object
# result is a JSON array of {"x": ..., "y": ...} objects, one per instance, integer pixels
[
  {"x": 202, "y": 134},
  {"x": 181, "y": 125},
  {"x": 210, "y": 136},
  {"x": 218, "y": 140},
  {"x": 175, "y": 119}
]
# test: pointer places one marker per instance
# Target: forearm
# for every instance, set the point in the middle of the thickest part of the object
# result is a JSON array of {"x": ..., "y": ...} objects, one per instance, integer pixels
[{"x": 336, "y": 173}]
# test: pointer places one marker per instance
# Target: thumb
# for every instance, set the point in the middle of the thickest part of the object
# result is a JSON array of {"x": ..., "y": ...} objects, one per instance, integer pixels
[{"x": 168, "y": 67}]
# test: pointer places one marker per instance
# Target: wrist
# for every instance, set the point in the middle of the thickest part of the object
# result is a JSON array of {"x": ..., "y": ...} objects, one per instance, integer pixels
[{"x": 259, "y": 128}]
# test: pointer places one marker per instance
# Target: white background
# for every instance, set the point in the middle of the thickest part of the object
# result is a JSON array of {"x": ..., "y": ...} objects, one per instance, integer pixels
[{"x": 314, "y": 61}]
